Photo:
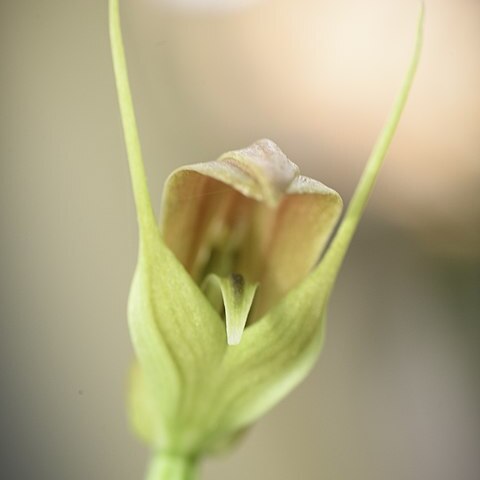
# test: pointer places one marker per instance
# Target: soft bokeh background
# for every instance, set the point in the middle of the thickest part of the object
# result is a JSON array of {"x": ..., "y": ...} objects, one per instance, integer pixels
[{"x": 396, "y": 393}]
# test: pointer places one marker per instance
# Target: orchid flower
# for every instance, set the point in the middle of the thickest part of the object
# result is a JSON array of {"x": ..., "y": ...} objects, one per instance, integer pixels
[{"x": 228, "y": 302}]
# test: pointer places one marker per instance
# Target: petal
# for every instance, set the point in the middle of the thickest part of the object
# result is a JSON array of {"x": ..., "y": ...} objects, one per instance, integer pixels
[
  {"x": 208, "y": 205},
  {"x": 178, "y": 338},
  {"x": 303, "y": 224},
  {"x": 249, "y": 212}
]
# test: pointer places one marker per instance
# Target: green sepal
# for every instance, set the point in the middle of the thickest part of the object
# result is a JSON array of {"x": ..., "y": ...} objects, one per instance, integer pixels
[
  {"x": 142, "y": 413},
  {"x": 177, "y": 335},
  {"x": 277, "y": 352},
  {"x": 179, "y": 340}
]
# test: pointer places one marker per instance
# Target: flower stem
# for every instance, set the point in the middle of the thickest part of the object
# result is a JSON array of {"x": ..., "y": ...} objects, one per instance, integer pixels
[{"x": 172, "y": 467}]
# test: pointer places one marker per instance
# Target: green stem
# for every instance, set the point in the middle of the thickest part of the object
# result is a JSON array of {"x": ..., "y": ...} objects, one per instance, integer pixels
[
  {"x": 170, "y": 467},
  {"x": 333, "y": 259},
  {"x": 146, "y": 217}
]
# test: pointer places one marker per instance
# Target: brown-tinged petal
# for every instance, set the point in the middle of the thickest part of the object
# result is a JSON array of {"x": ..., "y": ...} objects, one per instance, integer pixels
[{"x": 249, "y": 212}]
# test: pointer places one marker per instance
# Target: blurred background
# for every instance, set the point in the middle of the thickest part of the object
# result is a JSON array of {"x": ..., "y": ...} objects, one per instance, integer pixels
[{"x": 396, "y": 393}]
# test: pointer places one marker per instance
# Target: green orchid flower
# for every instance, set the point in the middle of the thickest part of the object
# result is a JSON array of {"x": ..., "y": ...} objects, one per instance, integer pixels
[{"x": 228, "y": 302}]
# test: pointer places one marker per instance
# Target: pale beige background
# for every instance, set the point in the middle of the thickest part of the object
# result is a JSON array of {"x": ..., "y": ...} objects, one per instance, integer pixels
[{"x": 395, "y": 395}]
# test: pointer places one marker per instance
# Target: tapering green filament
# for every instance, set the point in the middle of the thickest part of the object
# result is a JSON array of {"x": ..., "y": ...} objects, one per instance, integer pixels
[
  {"x": 332, "y": 261},
  {"x": 146, "y": 217}
]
